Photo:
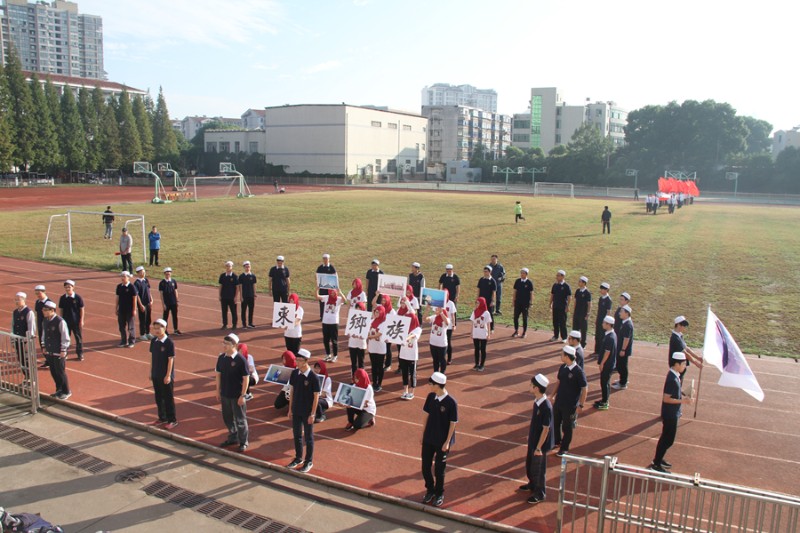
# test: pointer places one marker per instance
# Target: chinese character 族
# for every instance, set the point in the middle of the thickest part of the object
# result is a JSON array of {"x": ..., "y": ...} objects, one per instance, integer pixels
[{"x": 395, "y": 330}]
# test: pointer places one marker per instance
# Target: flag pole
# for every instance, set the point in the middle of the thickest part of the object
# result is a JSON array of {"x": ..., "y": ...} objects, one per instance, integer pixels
[{"x": 699, "y": 383}]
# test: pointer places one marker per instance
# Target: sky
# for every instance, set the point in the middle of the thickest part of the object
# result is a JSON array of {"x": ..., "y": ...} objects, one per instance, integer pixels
[{"x": 219, "y": 58}]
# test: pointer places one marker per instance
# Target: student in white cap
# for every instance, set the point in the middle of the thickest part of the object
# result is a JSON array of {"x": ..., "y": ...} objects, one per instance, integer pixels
[
  {"x": 228, "y": 292},
  {"x": 624, "y": 299},
  {"x": 144, "y": 304},
  {"x": 625, "y": 350},
  {"x": 55, "y": 343},
  {"x": 521, "y": 301},
  {"x": 41, "y": 298},
  {"x": 168, "y": 290},
  {"x": 372, "y": 282},
  {"x": 606, "y": 361},
  {"x": 540, "y": 440},
  {"x": 560, "y": 295},
  {"x": 73, "y": 313},
  {"x": 127, "y": 299},
  {"x": 671, "y": 403},
  {"x": 499, "y": 276},
  {"x": 23, "y": 324},
  {"x": 678, "y": 344},
  {"x": 304, "y": 392},
  {"x": 325, "y": 268},
  {"x": 162, "y": 374},
  {"x": 568, "y": 399},
  {"x": 232, "y": 380},
  {"x": 574, "y": 340},
  {"x": 603, "y": 310},
  {"x": 449, "y": 281},
  {"x": 416, "y": 279},
  {"x": 438, "y": 436},
  {"x": 247, "y": 289},
  {"x": 582, "y": 309},
  {"x": 280, "y": 281}
]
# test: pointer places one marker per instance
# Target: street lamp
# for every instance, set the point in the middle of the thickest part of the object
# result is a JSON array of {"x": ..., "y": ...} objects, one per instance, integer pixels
[
  {"x": 734, "y": 177},
  {"x": 635, "y": 173}
]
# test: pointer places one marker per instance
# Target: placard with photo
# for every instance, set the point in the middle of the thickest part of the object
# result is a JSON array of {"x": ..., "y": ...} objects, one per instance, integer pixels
[
  {"x": 278, "y": 374},
  {"x": 350, "y": 396},
  {"x": 392, "y": 285},
  {"x": 434, "y": 297},
  {"x": 328, "y": 281}
]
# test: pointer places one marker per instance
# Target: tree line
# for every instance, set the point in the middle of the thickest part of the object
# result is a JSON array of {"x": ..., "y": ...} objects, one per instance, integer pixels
[
  {"x": 46, "y": 132},
  {"x": 707, "y": 138}
]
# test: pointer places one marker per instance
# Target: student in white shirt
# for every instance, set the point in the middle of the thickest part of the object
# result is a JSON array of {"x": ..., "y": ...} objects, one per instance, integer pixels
[
  {"x": 357, "y": 346},
  {"x": 440, "y": 323},
  {"x": 293, "y": 335},
  {"x": 325, "y": 395},
  {"x": 357, "y": 419},
  {"x": 481, "y": 324},
  {"x": 377, "y": 346},
  {"x": 409, "y": 350},
  {"x": 330, "y": 322},
  {"x": 251, "y": 369},
  {"x": 357, "y": 294}
]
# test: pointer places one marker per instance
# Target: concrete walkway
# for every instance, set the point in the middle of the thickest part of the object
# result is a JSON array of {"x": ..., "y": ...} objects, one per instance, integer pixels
[{"x": 93, "y": 482}]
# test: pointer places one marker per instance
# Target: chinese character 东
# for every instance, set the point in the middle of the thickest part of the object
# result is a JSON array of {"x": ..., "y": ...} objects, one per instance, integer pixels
[{"x": 283, "y": 316}]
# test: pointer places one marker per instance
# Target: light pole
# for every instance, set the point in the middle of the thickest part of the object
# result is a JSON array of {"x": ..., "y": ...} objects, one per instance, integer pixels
[
  {"x": 734, "y": 177},
  {"x": 506, "y": 171},
  {"x": 635, "y": 173}
]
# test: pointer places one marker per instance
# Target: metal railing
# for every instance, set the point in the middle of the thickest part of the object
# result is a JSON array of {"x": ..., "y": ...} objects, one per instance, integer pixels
[
  {"x": 18, "y": 371},
  {"x": 602, "y": 495}
]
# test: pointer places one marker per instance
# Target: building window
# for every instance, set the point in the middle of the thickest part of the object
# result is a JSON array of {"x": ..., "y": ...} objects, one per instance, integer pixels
[
  {"x": 391, "y": 165},
  {"x": 236, "y": 147},
  {"x": 391, "y": 125},
  {"x": 376, "y": 124},
  {"x": 224, "y": 147},
  {"x": 406, "y": 127},
  {"x": 378, "y": 166},
  {"x": 253, "y": 147},
  {"x": 211, "y": 147}
]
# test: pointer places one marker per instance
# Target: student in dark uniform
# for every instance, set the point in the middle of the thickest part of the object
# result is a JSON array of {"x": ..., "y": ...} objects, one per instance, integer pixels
[
  {"x": 55, "y": 340},
  {"x": 247, "y": 289},
  {"x": 325, "y": 268},
  {"x": 144, "y": 304},
  {"x": 449, "y": 281},
  {"x": 417, "y": 282},
  {"x": 228, "y": 291},
  {"x": 606, "y": 361},
  {"x": 499, "y": 276},
  {"x": 625, "y": 350},
  {"x": 232, "y": 380},
  {"x": 521, "y": 301},
  {"x": 540, "y": 440},
  {"x": 162, "y": 373},
  {"x": 583, "y": 307},
  {"x": 624, "y": 299},
  {"x": 108, "y": 222},
  {"x": 41, "y": 299},
  {"x": 372, "y": 282},
  {"x": 569, "y": 398},
  {"x": 126, "y": 302},
  {"x": 303, "y": 399},
  {"x": 559, "y": 304},
  {"x": 168, "y": 289},
  {"x": 23, "y": 324},
  {"x": 603, "y": 310},
  {"x": 678, "y": 344},
  {"x": 438, "y": 436},
  {"x": 280, "y": 282},
  {"x": 72, "y": 311},
  {"x": 487, "y": 289},
  {"x": 574, "y": 340},
  {"x": 671, "y": 403},
  {"x": 605, "y": 218}
]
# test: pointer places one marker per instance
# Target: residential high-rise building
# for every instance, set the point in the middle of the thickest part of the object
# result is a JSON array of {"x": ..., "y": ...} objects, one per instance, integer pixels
[
  {"x": 52, "y": 38},
  {"x": 442, "y": 94},
  {"x": 455, "y": 131},
  {"x": 552, "y": 122}
]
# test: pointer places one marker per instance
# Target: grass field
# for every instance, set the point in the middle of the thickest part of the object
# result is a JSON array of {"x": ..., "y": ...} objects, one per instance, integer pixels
[{"x": 742, "y": 260}]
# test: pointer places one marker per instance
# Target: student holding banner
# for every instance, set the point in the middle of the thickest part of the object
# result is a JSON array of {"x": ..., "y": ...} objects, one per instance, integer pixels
[
  {"x": 377, "y": 346},
  {"x": 330, "y": 322},
  {"x": 440, "y": 322},
  {"x": 409, "y": 351},
  {"x": 481, "y": 324},
  {"x": 357, "y": 345},
  {"x": 293, "y": 335},
  {"x": 385, "y": 302},
  {"x": 289, "y": 361},
  {"x": 451, "y": 327},
  {"x": 325, "y": 268},
  {"x": 357, "y": 419}
]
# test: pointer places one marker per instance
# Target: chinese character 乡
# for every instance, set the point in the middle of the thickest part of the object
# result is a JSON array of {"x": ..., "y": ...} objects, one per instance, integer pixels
[{"x": 358, "y": 322}]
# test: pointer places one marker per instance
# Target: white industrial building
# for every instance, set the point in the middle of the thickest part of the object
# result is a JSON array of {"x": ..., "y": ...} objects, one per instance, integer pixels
[
  {"x": 235, "y": 141},
  {"x": 349, "y": 140},
  {"x": 783, "y": 139}
]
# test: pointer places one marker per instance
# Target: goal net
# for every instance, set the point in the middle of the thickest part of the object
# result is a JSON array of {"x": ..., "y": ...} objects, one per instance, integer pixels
[
  {"x": 543, "y": 188},
  {"x": 77, "y": 237},
  {"x": 229, "y": 183}
]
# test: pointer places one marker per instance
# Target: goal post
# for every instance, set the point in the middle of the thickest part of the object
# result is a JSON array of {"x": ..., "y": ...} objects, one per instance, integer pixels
[
  {"x": 81, "y": 232},
  {"x": 221, "y": 186},
  {"x": 544, "y": 188}
]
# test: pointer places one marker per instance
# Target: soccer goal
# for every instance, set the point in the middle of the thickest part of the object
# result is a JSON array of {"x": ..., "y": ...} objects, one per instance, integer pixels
[
  {"x": 228, "y": 184},
  {"x": 79, "y": 235},
  {"x": 543, "y": 188},
  {"x": 159, "y": 194}
]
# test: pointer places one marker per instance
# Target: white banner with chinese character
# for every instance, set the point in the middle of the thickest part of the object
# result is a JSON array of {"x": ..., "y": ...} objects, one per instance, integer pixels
[
  {"x": 395, "y": 328},
  {"x": 358, "y": 323},
  {"x": 282, "y": 315}
]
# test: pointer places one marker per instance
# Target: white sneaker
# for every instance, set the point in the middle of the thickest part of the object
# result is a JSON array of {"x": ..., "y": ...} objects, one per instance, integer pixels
[
  {"x": 404, "y": 396},
  {"x": 144, "y": 338},
  {"x": 327, "y": 358},
  {"x": 334, "y": 359}
]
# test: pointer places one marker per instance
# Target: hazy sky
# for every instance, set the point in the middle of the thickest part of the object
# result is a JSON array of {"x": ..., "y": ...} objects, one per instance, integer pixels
[{"x": 222, "y": 57}]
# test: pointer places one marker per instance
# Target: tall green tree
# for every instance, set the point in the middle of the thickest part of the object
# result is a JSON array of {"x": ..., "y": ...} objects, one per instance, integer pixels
[
  {"x": 129, "y": 139},
  {"x": 73, "y": 140},
  {"x": 46, "y": 147},
  {"x": 21, "y": 110},
  {"x": 758, "y": 135},
  {"x": 109, "y": 139},
  {"x": 165, "y": 141},
  {"x": 6, "y": 128},
  {"x": 91, "y": 128},
  {"x": 54, "y": 103},
  {"x": 143, "y": 124}
]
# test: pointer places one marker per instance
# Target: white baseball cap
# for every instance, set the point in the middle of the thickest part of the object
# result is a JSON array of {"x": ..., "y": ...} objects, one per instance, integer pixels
[
  {"x": 139, "y": 268},
  {"x": 609, "y": 320},
  {"x": 439, "y": 378},
  {"x": 542, "y": 380}
]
